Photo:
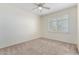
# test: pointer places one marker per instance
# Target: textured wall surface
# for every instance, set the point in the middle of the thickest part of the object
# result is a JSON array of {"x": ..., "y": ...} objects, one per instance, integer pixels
[{"x": 17, "y": 25}]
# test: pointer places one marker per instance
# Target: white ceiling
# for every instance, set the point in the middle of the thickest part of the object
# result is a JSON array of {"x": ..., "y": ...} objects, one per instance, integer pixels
[{"x": 53, "y": 7}]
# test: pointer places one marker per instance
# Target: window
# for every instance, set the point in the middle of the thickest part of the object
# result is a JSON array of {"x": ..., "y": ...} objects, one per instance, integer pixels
[{"x": 60, "y": 24}]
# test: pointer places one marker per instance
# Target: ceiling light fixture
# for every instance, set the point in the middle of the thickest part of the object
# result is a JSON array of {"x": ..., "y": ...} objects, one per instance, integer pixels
[
  {"x": 40, "y": 6},
  {"x": 40, "y": 9}
]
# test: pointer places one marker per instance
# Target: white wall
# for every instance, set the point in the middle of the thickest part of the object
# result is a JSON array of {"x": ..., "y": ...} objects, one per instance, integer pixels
[
  {"x": 16, "y": 25},
  {"x": 70, "y": 37},
  {"x": 78, "y": 26}
]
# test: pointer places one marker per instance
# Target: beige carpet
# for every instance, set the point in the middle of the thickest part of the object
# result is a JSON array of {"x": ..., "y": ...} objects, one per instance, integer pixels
[{"x": 41, "y": 46}]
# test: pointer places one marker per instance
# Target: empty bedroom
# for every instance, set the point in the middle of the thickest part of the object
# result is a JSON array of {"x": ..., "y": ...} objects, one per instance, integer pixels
[{"x": 39, "y": 29}]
